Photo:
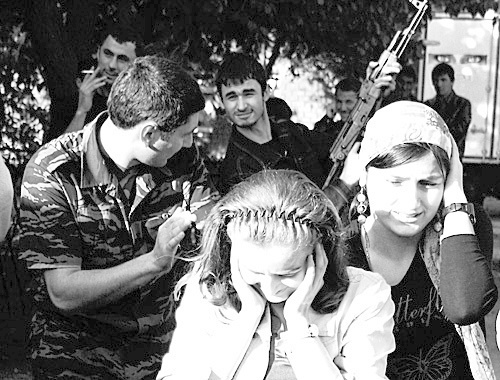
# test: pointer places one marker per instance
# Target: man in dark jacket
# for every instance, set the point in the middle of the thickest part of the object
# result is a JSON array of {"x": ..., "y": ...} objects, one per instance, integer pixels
[
  {"x": 256, "y": 143},
  {"x": 346, "y": 96},
  {"x": 455, "y": 110}
]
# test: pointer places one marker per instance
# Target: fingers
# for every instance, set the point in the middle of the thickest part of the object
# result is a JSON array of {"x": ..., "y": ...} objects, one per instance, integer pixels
[
  {"x": 386, "y": 77},
  {"x": 156, "y": 221},
  {"x": 352, "y": 170},
  {"x": 235, "y": 270},
  {"x": 391, "y": 68},
  {"x": 355, "y": 148},
  {"x": 456, "y": 167},
  {"x": 92, "y": 73},
  {"x": 180, "y": 220},
  {"x": 454, "y": 188},
  {"x": 371, "y": 66},
  {"x": 456, "y": 163},
  {"x": 316, "y": 268},
  {"x": 172, "y": 231},
  {"x": 310, "y": 271},
  {"x": 238, "y": 282},
  {"x": 92, "y": 80},
  {"x": 91, "y": 84},
  {"x": 321, "y": 261}
]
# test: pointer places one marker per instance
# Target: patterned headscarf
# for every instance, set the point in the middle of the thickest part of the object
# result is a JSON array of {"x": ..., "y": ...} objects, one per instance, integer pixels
[{"x": 403, "y": 122}]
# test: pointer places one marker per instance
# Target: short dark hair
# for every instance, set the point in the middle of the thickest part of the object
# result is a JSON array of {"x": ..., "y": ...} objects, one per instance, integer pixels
[
  {"x": 278, "y": 109},
  {"x": 154, "y": 88},
  {"x": 239, "y": 67},
  {"x": 443, "y": 69},
  {"x": 348, "y": 84},
  {"x": 122, "y": 33},
  {"x": 407, "y": 71}
]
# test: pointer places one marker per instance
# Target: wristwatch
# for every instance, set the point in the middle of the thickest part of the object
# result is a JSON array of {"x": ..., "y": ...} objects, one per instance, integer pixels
[{"x": 465, "y": 207}]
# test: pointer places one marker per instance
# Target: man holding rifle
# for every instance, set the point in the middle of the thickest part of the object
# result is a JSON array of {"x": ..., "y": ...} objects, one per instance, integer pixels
[
  {"x": 256, "y": 143},
  {"x": 346, "y": 95}
]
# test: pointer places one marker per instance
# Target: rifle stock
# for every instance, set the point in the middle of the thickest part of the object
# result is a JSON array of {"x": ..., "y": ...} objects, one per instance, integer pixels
[{"x": 368, "y": 93}]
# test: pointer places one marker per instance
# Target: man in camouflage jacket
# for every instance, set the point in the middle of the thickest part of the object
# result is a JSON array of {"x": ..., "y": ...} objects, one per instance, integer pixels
[{"x": 102, "y": 281}]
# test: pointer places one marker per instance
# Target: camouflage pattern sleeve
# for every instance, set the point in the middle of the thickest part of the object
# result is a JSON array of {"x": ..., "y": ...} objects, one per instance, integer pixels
[{"x": 49, "y": 237}]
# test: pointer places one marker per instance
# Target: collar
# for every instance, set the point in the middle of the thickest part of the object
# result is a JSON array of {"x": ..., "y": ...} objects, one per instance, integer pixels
[
  {"x": 94, "y": 171},
  {"x": 276, "y": 128},
  {"x": 447, "y": 98},
  {"x": 238, "y": 129}
]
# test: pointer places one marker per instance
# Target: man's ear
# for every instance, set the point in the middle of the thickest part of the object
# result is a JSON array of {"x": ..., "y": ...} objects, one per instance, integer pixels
[
  {"x": 218, "y": 98},
  {"x": 149, "y": 134},
  {"x": 267, "y": 93}
]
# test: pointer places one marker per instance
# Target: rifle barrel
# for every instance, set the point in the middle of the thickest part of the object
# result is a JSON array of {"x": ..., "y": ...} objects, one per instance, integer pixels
[{"x": 353, "y": 127}]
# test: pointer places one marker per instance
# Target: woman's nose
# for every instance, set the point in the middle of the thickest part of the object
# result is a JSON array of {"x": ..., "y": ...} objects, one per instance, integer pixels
[
  {"x": 270, "y": 285},
  {"x": 410, "y": 194}
]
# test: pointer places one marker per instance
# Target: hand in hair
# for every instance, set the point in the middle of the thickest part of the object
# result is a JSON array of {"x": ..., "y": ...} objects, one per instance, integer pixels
[
  {"x": 454, "y": 187},
  {"x": 170, "y": 234},
  {"x": 455, "y": 223},
  {"x": 298, "y": 305}
]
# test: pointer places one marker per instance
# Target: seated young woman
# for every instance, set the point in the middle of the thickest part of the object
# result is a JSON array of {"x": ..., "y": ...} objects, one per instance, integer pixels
[
  {"x": 271, "y": 297},
  {"x": 416, "y": 230}
]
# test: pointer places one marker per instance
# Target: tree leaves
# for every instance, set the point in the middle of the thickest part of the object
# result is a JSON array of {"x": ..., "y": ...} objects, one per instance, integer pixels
[{"x": 328, "y": 38}]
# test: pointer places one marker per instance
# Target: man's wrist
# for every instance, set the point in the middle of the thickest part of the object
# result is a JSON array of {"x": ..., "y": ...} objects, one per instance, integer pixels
[{"x": 158, "y": 264}]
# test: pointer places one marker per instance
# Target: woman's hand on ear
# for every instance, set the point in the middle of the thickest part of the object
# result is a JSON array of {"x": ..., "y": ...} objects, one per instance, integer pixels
[
  {"x": 298, "y": 305},
  {"x": 454, "y": 186},
  {"x": 251, "y": 300}
]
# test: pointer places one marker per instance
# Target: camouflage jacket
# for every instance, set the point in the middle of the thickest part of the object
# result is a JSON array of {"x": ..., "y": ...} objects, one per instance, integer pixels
[{"x": 74, "y": 214}]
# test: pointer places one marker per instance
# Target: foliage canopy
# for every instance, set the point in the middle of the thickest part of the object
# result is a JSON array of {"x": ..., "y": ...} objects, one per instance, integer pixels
[{"x": 44, "y": 41}]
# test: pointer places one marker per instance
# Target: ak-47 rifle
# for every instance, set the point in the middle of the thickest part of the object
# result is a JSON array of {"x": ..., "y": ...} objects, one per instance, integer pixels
[{"x": 367, "y": 97}]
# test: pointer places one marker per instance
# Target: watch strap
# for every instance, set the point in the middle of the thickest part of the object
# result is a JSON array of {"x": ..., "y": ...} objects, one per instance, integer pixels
[{"x": 464, "y": 207}]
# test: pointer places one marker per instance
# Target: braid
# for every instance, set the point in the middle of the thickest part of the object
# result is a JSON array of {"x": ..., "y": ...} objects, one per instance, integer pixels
[{"x": 272, "y": 207}]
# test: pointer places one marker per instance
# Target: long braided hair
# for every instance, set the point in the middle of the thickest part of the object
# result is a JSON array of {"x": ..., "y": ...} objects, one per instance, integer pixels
[{"x": 278, "y": 206}]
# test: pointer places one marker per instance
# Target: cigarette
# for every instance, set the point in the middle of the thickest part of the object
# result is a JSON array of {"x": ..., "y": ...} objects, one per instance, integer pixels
[{"x": 87, "y": 71}]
